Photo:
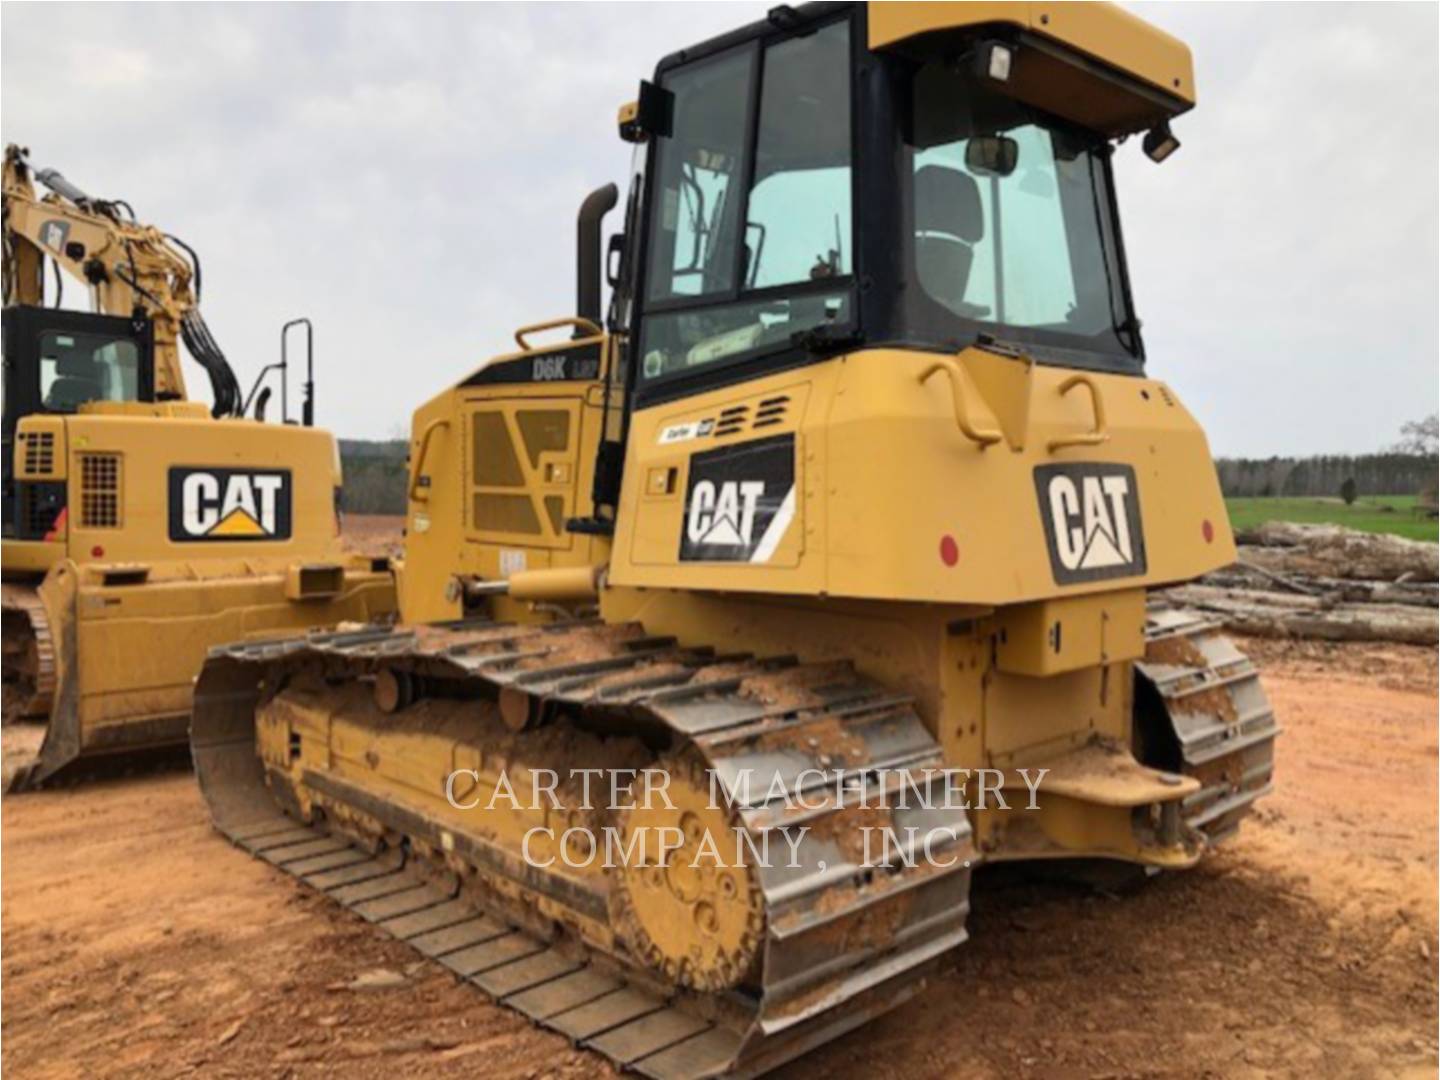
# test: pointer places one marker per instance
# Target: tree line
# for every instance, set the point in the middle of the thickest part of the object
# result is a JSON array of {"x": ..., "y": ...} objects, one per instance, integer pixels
[
  {"x": 1391, "y": 473},
  {"x": 375, "y": 475}
]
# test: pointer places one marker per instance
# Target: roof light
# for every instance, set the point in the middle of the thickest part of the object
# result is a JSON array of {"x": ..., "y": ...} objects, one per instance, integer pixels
[
  {"x": 1160, "y": 143},
  {"x": 998, "y": 60}
]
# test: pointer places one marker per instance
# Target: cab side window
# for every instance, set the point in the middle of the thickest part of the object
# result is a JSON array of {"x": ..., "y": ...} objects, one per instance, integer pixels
[{"x": 752, "y": 220}]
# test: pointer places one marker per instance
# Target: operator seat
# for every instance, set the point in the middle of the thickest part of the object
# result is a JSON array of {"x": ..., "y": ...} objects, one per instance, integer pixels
[
  {"x": 79, "y": 379},
  {"x": 949, "y": 221}
]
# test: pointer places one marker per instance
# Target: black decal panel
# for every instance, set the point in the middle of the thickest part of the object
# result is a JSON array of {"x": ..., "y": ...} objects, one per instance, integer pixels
[
  {"x": 1091, "y": 513},
  {"x": 578, "y": 364},
  {"x": 739, "y": 502},
  {"x": 228, "y": 505}
]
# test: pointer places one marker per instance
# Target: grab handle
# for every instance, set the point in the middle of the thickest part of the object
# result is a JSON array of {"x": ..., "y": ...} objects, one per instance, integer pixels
[
  {"x": 1096, "y": 435},
  {"x": 589, "y": 329},
  {"x": 983, "y": 437},
  {"x": 418, "y": 469}
]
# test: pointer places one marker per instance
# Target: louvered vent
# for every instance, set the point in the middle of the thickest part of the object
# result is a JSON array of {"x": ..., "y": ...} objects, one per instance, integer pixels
[
  {"x": 770, "y": 413},
  {"x": 39, "y": 452},
  {"x": 40, "y": 507},
  {"x": 99, "y": 491},
  {"x": 732, "y": 421}
]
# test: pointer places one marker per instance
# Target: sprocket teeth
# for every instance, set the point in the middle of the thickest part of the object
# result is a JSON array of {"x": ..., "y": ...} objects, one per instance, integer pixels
[{"x": 722, "y": 913}]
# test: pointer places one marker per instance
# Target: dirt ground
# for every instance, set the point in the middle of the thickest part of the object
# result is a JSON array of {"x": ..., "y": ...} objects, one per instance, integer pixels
[
  {"x": 374, "y": 533},
  {"x": 136, "y": 941}
]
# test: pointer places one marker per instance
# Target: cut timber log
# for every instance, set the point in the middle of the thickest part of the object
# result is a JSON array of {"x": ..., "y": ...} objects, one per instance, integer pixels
[
  {"x": 1337, "y": 552},
  {"x": 1332, "y": 590},
  {"x": 1289, "y": 615}
]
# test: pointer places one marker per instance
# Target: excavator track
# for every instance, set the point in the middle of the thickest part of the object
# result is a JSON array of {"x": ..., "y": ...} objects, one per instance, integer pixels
[
  {"x": 1222, "y": 722},
  {"x": 29, "y": 654},
  {"x": 826, "y": 940}
]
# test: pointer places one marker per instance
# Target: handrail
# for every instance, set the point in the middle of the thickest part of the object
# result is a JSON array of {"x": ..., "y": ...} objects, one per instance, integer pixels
[
  {"x": 983, "y": 437},
  {"x": 418, "y": 469},
  {"x": 1096, "y": 435},
  {"x": 590, "y": 328}
]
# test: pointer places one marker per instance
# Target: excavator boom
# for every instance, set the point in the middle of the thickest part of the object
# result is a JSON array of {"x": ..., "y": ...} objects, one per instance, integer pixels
[{"x": 128, "y": 267}]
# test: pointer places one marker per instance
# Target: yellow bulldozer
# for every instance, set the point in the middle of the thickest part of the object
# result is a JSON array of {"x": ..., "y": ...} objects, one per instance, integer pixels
[
  {"x": 743, "y": 621},
  {"x": 141, "y": 528}
]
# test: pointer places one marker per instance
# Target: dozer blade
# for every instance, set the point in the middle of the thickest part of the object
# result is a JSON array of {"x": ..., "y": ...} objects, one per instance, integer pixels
[
  {"x": 40, "y": 689},
  {"x": 1217, "y": 711},
  {"x": 35, "y": 690},
  {"x": 825, "y": 939}
]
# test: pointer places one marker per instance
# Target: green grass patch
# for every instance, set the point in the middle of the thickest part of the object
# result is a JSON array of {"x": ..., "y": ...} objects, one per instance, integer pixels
[{"x": 1396, "y": 514}]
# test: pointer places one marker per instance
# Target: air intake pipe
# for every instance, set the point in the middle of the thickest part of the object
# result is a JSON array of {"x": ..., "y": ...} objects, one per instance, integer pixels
[{"x": 588, "y": 266}]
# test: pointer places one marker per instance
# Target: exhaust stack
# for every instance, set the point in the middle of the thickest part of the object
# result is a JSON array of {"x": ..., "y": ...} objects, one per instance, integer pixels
[{"x": 587, "y": 252}]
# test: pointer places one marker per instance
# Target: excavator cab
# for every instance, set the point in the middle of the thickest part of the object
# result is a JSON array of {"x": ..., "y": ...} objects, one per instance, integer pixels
[{"x": 55, "y": 361}]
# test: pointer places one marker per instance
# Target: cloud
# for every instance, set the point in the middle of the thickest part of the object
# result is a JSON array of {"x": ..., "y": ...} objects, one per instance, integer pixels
[{"x": 408, "y": 176}]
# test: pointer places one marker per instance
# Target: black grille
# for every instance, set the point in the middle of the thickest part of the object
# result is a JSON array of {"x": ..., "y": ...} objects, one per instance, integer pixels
[{"x": 37, "y": 508}]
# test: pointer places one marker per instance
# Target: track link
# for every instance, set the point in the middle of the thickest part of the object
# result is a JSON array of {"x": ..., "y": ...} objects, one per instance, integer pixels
[
  {"x": 845, "y": 935},
  {"x": 1219, "y": 714},
  {"x": 29, "y": 654}
]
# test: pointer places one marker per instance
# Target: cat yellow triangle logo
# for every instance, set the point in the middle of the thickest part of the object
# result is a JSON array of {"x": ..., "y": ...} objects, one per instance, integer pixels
[{"x": 237, "y": 523}]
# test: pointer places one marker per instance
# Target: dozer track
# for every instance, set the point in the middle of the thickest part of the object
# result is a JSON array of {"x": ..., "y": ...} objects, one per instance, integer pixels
[
  {"x": 29, "y": 654},
  {"x": 826, "y": 941},
  {"x": 1222, "y": 722}
]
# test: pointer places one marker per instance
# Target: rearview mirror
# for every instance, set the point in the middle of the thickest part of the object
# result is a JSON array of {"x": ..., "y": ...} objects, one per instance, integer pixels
[
  {"x": 613, "y": 255},
  {"x": 992, "y": 155},
  {"x": 655, "y": 110}
]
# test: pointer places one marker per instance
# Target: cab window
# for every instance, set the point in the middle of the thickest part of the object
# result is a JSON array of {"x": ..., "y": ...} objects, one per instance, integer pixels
[
  {"x": 76, "y": 368},
  {"x": 751, "y": 226}
]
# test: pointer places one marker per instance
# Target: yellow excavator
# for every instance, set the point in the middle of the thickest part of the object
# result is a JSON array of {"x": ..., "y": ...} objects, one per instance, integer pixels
[
  {"x": 141, "y": 528},
  {"x": 742, "y": 622}
]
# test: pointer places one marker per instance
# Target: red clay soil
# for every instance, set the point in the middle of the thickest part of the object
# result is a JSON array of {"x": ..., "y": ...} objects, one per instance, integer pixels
[
  {"x": 136, "y": 941},
  {"x": 375, "y": 534}
]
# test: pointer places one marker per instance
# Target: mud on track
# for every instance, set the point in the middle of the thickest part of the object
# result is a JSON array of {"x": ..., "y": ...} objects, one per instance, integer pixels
[{"x": 136, "y": 941}]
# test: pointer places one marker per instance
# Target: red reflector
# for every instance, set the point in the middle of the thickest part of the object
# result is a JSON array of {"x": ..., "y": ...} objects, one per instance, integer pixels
[
  {"x": 97, "y": 552},
  {"x": 949, "y": 551},
  {"x": 1207, "y": 530}
]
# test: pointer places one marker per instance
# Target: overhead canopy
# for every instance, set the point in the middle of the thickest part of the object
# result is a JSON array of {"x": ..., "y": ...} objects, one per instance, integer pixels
[{"x": 1091, "y": 63}]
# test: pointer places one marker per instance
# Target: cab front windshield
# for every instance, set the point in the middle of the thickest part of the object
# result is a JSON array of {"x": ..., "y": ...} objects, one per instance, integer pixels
[{"x": 1013, "y": 223}]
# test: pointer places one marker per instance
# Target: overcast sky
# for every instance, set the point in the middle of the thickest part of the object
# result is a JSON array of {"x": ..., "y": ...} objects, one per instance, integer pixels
[{"x": 408, "y": 176}]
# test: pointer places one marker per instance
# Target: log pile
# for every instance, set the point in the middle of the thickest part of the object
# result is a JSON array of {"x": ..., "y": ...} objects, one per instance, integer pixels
[{"x": 1324, "y": 582}]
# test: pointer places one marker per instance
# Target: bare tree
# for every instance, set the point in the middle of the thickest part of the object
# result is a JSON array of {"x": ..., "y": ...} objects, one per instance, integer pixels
[{"x": 1420, "y": 436}]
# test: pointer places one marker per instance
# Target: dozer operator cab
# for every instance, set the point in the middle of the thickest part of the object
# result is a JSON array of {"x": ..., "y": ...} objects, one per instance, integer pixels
[
  {"x": 813, "y": 185},
  {"x": 54, "y": 362},
  {"x": 846, "y": 180}
]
